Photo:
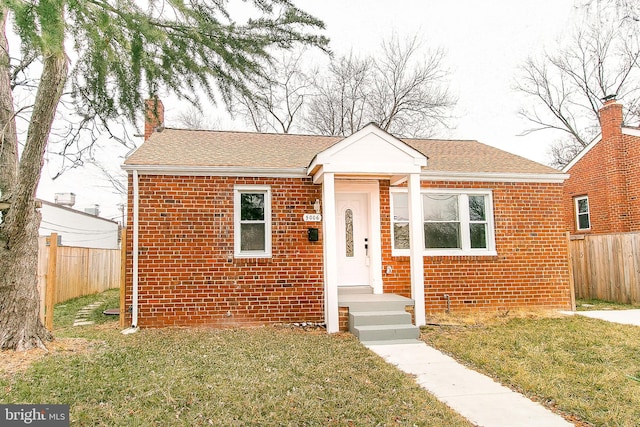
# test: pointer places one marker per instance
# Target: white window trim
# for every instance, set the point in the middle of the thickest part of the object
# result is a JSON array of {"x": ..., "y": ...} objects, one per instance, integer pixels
[
  {"x": 237, "y": 191},
  {"x": 577, "y": 212},
  {"x": 464, "y": 224}
]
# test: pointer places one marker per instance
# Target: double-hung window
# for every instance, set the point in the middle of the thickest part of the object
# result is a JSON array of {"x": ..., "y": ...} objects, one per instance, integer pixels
[
  {"x": 252, "y": 221},
  {"x": 583, "y": 217},
  {"x": 454, "y": 222}
]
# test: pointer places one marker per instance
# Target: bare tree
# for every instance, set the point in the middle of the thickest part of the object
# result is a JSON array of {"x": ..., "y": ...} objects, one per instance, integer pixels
[
  {"x": 567, "y": 86},
  {"x": 561, "y": 151},
  {"x": 275, "y": 105},
  {"x": 404, "y": 91},
  {"x": 621, "y": 11},
  {"x": 339, "y": 104},
  {"x": 409, "y": 96},
  {"x": 194, "y": 118},
  {"x": 117, "y": 180}
]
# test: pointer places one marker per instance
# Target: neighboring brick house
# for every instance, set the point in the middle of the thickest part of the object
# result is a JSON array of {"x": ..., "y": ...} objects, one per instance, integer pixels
[
  {"x": 233, "y": 228},
  {"x": 602, "y": 193}
]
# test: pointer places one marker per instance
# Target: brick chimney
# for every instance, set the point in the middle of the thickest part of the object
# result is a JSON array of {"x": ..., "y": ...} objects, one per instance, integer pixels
[
  {"x": 613, "y": 163},
  {"x": 611, "y": 118},
  {"x": 153, "y": 116}
]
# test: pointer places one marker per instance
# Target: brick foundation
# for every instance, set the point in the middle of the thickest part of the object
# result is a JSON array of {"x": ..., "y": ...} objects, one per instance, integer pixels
[{"x": 343, "y": 319}]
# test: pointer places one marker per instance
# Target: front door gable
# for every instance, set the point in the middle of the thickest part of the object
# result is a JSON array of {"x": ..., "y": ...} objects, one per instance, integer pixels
[{"x": 370, "y": 151}]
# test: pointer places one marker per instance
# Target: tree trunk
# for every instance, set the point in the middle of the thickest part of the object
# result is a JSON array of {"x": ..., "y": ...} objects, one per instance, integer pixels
[
  {"x": 8, "y": 136},
  {"x": 20, "y": 325}
]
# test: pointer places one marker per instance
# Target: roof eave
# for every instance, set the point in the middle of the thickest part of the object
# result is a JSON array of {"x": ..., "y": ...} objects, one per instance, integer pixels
[
  {"x": 302, "y": 172},
  {"x": 554, "y": 178},
  {"x": 242, "y": 171}
]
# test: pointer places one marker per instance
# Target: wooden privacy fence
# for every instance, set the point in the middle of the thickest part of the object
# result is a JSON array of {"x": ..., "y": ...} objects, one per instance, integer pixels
[
  {"x": 607, "y": 267},
  {"x": 66, "y": 272}
]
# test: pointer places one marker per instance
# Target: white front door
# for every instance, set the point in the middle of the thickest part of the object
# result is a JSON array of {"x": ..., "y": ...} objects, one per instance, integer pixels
[{"x": 353, "y": 240}]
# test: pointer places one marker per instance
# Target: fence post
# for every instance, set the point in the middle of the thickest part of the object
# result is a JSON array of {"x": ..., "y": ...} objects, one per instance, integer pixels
[
  {"x": 572, "y": 284},
  {"x": 50, "y": 290},
  {"x": 123, "y": 270}
]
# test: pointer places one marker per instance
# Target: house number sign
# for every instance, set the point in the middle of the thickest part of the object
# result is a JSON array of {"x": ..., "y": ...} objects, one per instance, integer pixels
[{"x": 312, "y": 217}]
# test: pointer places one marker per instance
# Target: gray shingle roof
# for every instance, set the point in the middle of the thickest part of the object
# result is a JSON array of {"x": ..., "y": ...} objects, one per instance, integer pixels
[{"x": 185, "y": 148}]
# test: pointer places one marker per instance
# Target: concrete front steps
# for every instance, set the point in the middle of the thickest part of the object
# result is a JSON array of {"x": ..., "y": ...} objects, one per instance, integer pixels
[{"x": 378, "y": 318}]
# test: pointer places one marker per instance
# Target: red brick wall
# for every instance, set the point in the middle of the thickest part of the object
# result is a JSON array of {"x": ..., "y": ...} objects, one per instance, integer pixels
[
  {"x": 612, "y": 187},
  {"x": 531, "y": 268},
  {"x": 632, "y": 171},
  {"x": 609, "y": 174},
  {"x": 188, "y": 275},
  {"x": 187, "y": 271},
  {"x": 588, "y": 179},
  {"x": 612, "y": 165}
]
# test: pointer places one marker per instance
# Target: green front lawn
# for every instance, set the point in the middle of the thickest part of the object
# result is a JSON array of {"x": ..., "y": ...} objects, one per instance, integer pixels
[
  {"x": 260, "y": 376},
  {"x": 576, "y": 365},
  {"x": 65, "y": 313}
]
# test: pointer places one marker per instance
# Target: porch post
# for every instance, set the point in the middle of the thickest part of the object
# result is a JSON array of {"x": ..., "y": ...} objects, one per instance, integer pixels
[
  {"x": 417, "y": 245},
  {"x": 329, "y": 249}
]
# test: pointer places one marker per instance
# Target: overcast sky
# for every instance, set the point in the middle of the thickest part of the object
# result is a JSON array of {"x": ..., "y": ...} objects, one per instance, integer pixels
[{"x": 485, "y": 42}]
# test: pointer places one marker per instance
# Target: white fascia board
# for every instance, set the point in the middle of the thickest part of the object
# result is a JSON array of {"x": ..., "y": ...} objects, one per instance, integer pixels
[
  {"x": 581, "y": 154},
  {"x": 217, "y": 171},
  {"x": 585, "y": 150},
  {"x": 631, "y": 131},
  {"x": 386, "y": 169},
  {"x": 555, "y": 178}
]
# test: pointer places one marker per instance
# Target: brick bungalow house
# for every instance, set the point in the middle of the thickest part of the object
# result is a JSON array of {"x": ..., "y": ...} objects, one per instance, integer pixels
[
  {"x": 238, "y": 228},
  {"x": 602, "y": 194}
]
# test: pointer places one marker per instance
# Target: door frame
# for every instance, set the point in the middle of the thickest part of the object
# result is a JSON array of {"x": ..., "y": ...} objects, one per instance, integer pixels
[{"x": 372, "y": 189}]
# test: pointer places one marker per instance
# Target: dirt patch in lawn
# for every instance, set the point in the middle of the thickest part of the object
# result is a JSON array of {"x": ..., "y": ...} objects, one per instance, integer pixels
[{"x": 12, "y": 362}]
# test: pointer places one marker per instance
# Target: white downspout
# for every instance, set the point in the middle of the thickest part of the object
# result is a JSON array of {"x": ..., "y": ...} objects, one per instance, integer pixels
[{"x": 134, "y": 313}]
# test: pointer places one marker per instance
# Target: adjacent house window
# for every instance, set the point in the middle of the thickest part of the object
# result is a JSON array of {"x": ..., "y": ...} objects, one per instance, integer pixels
[
  {"x": 252, "y": 221},
  {"x": 583, "y": 219},
  {"x": 454, "y": 222}
]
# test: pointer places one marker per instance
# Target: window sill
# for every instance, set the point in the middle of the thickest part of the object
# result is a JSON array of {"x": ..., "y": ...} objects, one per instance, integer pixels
[
  {"x": 446, "y": 252},
  {"x": 252, "y": 255}
]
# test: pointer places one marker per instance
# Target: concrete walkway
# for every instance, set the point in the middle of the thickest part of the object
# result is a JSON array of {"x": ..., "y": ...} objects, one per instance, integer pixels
[
  {"x": 626, "y": 317},
  {"x": 476, "y": 397}
]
